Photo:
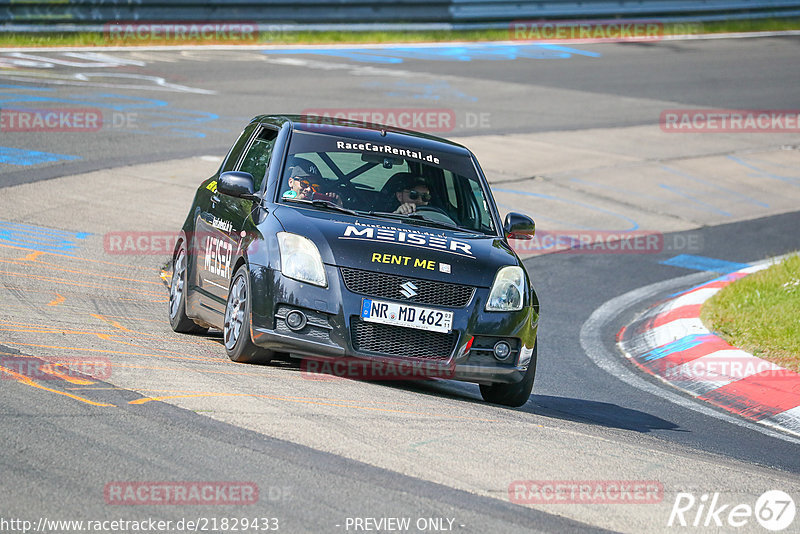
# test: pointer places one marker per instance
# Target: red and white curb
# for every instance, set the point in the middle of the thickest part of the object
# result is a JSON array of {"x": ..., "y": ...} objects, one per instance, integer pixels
[{"x": 670, "y": 342}]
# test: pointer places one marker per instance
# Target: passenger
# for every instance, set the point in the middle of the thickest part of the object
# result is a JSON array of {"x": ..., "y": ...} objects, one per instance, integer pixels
[{"x": 300, "y": 187}]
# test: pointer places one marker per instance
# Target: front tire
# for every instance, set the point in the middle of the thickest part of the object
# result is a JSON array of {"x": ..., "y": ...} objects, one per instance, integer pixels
[
  {"x": 513, "y": 395},
  {"x": 236, "y": 330},
  {"x": 178, "y": 319}
]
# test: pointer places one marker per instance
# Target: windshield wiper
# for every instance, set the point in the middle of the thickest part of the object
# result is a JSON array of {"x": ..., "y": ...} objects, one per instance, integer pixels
[{"x": 331, "y": 205}]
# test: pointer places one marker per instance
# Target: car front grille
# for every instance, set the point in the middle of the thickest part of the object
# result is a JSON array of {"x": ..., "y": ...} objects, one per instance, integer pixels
[
  {"x": 401, "y": 341},
  {"x": 384, "y": 285}
]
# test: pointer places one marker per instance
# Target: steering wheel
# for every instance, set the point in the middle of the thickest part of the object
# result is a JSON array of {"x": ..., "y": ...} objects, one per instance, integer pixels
[
  {"x": 349, "y": 193},
  {"x": 434, "y": 210}
]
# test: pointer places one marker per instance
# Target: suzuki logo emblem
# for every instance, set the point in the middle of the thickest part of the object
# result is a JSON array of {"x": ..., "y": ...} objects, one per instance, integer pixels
[{"x": 408, "y": 290}]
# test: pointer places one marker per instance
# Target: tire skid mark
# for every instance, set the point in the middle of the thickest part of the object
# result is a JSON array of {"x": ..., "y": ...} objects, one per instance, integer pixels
[
  {"x": 117, "y": 325},
  {"x": 55, "y": 330},
  {"x": 178, "y": 393},
  {"x": 110, "y": 337},
  {"x": 306, "y": 400},
  {"x": 107, "y": 351},
  {"x": 79, "y": 296},
  {"x": 78, "y": 284},
  {"x": 29, "y": 382},
  {"x": 142, "y": 319},
  {"x": 54, "y": 267},
  {"x": 50, "y": 326},
  {"x": 207, "y": 371},
  {"x": 38, "y": 253},
  {"x": 106, "y": 336}
]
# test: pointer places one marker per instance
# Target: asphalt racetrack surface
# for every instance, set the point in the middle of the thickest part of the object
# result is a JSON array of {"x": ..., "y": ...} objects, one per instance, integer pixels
[{"x": 568, "y": 134}]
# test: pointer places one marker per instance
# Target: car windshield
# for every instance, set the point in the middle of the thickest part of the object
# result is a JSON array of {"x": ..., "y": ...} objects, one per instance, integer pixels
[{"x": 332, "y": 172}]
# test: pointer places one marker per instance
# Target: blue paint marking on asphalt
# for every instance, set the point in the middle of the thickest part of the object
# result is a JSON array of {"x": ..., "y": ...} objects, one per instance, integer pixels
[
  {"x": 634, "y": 224},
  {"x": 19, "y": 156},
  {"x": 773, "y": 164},
  {"x": 136, "y": 115},
  {"x": 539, "y": 218},
  {"x": 793, "y": 180},
  {"x": 40, "y": 238},
  {"x": 731, "y": 192},
  {"x": 702, "y": 263},
  {"x": 424, "y": 91},
  {"x": 690, "y": 198},
  {"x": 605, "y": 187},
  {"x": 679, "y": 345},
  {"x": 459, "y": 52}
]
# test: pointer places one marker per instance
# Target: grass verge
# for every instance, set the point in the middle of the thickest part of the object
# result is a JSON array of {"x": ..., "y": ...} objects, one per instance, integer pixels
[
  {"x": 356, "y": 37},
  {"x": 761, "y": 313}
]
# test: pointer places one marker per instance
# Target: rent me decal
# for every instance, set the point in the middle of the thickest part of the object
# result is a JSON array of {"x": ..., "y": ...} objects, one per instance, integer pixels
[{"x": 408, "y": 261}]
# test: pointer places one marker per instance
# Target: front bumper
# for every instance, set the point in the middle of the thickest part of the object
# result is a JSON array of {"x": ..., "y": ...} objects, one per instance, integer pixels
[{"x": 334, "y": 330}]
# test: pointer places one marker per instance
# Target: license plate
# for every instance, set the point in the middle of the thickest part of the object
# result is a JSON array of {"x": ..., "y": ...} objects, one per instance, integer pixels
[{"x": 394, "y": 313}]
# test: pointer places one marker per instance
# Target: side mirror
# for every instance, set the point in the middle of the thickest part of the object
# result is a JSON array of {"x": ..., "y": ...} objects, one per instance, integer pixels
[
  {"x": 518, "y": 226},
  {"x": 237, "y": 184}
]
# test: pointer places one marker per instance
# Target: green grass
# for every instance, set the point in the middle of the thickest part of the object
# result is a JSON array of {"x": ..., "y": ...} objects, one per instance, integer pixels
[
  {"x": 344, "y": 37},
  {"x": 761, "y": 313}
]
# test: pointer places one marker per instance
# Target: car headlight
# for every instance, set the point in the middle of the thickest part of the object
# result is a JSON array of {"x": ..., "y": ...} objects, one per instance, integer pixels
[
  {"x": 300, "y": 259},
  {"x": 508, "y": 290}
]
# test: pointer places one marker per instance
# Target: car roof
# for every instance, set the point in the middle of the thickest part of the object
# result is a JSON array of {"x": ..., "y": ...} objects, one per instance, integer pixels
[{"x": 363, "y": 130}]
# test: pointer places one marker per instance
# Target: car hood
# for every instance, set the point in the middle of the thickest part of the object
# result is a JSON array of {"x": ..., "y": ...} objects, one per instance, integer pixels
[{"x": 391, "y": 246}]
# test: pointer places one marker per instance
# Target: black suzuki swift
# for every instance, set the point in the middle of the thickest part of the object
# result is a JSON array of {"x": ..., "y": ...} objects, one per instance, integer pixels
[{"x": 354, "y": 242}]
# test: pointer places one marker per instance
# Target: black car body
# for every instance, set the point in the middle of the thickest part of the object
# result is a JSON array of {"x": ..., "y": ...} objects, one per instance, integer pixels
[{"x": 333, "y": 273}]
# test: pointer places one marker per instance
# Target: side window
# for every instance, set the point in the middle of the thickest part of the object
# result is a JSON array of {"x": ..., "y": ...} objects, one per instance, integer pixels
[
  {"x": 450, "y": 185},
  {"x": 481, "y": 206},
  {"x": 236, "y": 149},
  {"x": 256, "y": 160}
]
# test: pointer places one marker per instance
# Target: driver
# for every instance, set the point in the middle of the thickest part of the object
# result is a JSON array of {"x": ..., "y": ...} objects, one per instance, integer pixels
[{"x": 412, "y": 193}]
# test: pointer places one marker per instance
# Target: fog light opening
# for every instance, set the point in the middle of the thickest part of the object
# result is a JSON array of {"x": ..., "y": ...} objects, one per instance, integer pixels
[
  {"x": 296, "y": 320},
  {"x": 502, "y": 350}
]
